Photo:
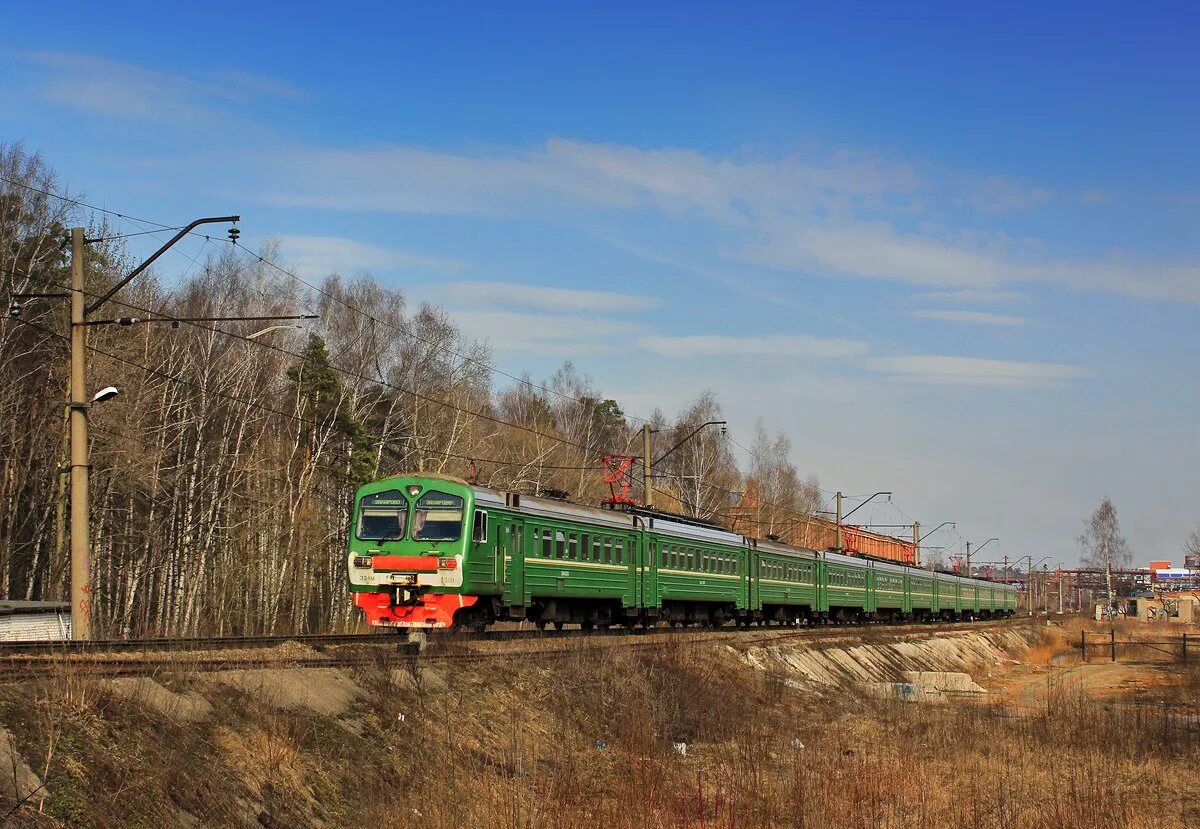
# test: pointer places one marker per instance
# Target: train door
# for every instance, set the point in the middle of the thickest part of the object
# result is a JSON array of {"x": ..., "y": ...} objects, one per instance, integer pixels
[
  {"x": 821, "y": 572},
  {"x": 651, "y": 590},
  {"x": 510, "y": 561},
  {"x": 753, "y": 574},
  {"x": 637, "y": 547}
]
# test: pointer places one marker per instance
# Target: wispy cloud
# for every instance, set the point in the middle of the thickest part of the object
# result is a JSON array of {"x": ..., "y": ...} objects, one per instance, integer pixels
[
  {"x": 853, "y": 215},
  {"x": 834, "y": 213},
  {"x": 972, "y": 317},
  {"x": 546, "y": 334},
  {"x": 515, "y": 295},
  {"x": 575, "y": 173},
  {"x": 714, "y": 345},
  {"x": 975, "y": 371},
  {"x": 1002, "y": 194},
  {"x": 875, "y": 250},
  {"x": 117, "y": 89},
  {"x": 969, "y": 296},
  {"x": 318, "y": 256}
]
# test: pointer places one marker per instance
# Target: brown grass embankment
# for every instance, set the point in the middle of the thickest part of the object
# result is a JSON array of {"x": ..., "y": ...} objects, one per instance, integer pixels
[{"x": 685, "y": 735}]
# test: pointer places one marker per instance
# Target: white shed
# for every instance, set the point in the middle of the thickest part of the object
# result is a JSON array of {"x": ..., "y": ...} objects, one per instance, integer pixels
[{"x": 34, "y": 621}]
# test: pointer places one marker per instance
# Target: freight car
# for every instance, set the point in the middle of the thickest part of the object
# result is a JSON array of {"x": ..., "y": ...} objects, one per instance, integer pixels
[{"x": 429, "y": 551}]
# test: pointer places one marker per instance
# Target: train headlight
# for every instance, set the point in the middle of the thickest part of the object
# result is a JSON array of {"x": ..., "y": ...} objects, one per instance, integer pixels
[
  {"x": 362, "y": 561},
  {"x": 414, "y": 489}
]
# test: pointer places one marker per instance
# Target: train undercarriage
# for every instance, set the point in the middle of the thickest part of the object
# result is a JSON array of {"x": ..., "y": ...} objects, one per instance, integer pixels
[{"x": 431, "y": 610}]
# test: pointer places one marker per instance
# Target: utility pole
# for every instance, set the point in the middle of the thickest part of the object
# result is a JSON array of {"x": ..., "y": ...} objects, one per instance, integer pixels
[
  {"x": 1108, "y": 583},
  {"x": 968, "y": 559},
  {"x": 647, "y": 465},
  {"x": 1005, "y": 570},
  {"x": 916, "y": 544},
  {"x": 79, "y": 404},
  {"x": 838, "y": 539},
  {"x": 81, "y": 588},
  {"x": 647, "y": 475}
]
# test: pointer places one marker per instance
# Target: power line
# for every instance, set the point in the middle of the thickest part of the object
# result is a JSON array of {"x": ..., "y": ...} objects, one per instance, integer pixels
[
  {"x": 129, "y": 235},
  {"x": 288, "y": 415},
  {"x": 350, "y": 306},
  {"x": 464, "y": 357},
  {"x": 163, "y": 227},
  {"x": 80, "y": 203},
  {"x": 355, "y": 375}
]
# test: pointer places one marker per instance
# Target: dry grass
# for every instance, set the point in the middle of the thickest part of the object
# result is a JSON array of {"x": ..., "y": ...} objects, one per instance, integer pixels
[{"x": 588, "y": 740}]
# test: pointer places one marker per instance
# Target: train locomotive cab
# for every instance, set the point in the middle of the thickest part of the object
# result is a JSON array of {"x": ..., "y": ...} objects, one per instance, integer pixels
[{"x": 409, "y": 541}]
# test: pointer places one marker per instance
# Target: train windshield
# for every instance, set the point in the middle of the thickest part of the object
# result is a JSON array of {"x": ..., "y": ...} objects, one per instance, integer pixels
[
  {"x": 438, "y": 517},
  {"x": 382, "y": 516}
]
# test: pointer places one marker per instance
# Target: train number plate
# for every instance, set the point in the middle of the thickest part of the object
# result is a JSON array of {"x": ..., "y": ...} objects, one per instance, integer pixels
[{"x": 404, "y": 578}]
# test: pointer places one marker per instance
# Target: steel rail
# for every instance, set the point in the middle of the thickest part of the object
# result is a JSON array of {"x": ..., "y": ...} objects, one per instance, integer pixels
[{"x": 92, "y": 662}]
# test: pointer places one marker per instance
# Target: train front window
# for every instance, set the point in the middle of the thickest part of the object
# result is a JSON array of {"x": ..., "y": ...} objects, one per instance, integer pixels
[
  {"x": 382, "y": 516},
  {"x": 438, "y": 517}
]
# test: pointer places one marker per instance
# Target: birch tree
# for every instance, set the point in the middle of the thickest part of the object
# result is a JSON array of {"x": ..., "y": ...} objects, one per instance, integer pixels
[{"x": 1103, "y": 547}]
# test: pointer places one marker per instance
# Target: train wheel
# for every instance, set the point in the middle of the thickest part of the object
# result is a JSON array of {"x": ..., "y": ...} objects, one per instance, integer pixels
[{"x": 559, "y": 625}]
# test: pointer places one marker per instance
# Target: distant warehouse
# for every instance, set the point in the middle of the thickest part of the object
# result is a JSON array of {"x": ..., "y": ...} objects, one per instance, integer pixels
[{"x": 37, "y": 621}]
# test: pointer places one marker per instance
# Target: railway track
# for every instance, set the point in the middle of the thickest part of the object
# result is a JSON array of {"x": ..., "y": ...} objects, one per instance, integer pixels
[{"x": 24, "y": 660}]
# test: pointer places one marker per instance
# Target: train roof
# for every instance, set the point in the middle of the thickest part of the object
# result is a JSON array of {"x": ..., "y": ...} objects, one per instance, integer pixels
[
  {"x": 679, "y": 527},
  {"x": 552, "y": 508}
]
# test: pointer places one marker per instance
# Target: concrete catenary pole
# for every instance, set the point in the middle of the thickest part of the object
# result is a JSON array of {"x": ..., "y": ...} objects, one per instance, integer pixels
[
  {"x": 837, "y": 545},
  {"x": 916, "y": 543},
  {"x": 81, "y": 588},
  {"x": 968, "y": 573},
  {"x": 647, "y": 474}
]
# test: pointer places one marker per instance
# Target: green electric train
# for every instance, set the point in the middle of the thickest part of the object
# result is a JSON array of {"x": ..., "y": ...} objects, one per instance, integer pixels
[{"x": 429, "y": 551}]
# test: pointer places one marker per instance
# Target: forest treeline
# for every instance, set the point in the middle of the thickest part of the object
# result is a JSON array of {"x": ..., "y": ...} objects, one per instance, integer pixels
[{"x": 223, "y": 473}]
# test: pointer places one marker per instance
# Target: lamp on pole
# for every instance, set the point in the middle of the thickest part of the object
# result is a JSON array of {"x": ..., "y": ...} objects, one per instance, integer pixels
[
  {"x": 81, "y": 588},
  {"x": 271, "y": 328},
  {"x": 648, "y": 465},
  {"x": 977, "y": 549},
  {"x": 79, "y": 403},
  {"x": 918, "y": 538},
  {"x": 1029, "y": 578},
  {"x": 838, "y": 545}
]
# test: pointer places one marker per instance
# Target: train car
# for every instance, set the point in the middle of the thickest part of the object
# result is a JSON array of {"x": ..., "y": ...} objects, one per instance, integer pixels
[
  {"x": 697, "y": 573},
  {"x": 429, "y": 551},
  {"x": 921, "y": 586},
  {"x": 785, "y": 583}
]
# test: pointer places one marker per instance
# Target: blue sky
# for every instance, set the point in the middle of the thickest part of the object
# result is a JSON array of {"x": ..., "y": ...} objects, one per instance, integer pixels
[{"x": 953, "y": 254}]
